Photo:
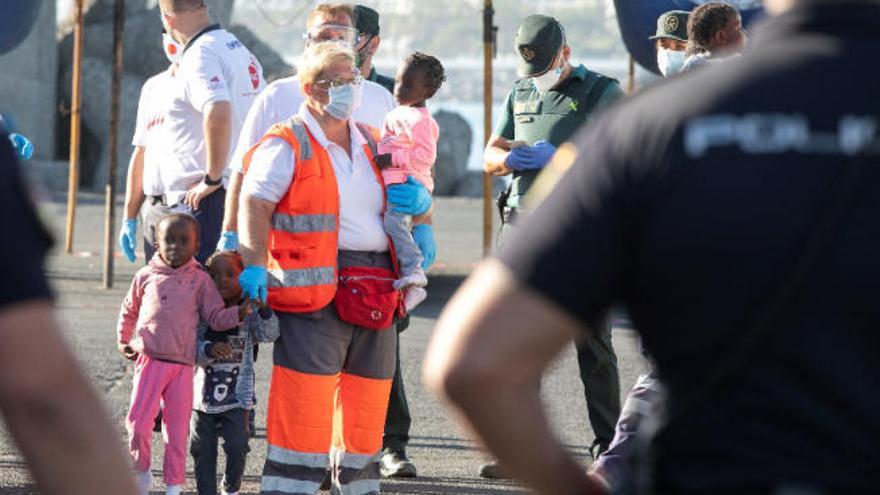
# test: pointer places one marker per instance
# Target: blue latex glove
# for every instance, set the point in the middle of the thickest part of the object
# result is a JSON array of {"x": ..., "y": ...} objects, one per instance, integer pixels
[
  {"x": 23, "y": 146},
  {"x": 228, "y": 241},
  {"x": 424, "y": 237},
  {"x": 253, "y": 282},
  {"x": 410, "y": 198},
  {"x": 128, "y": 238},
  {"x": 531, "y": 157}
]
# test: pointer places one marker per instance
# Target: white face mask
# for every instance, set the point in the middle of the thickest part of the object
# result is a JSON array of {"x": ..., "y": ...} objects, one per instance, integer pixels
[
  {"x": 670, "y": 62},
  {"x": 173, "y": 49},
  {"x": 547, "y": 80}
]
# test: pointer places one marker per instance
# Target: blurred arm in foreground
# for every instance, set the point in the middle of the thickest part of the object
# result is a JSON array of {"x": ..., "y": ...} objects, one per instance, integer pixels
[
  {"x": 486, "y": 357},
  {"x": 50, "y": 408}
]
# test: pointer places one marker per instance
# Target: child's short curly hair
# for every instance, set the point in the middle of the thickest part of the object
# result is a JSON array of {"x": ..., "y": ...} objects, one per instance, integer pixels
[
  {"x": 433, "y": 70},
  {"x": 232, "y": 256}
]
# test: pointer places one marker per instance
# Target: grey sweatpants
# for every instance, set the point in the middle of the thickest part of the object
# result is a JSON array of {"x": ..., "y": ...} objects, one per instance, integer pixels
[{"x": 399, "y": 227}]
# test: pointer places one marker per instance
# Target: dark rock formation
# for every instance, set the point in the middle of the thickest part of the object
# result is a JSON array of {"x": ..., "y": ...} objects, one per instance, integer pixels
[{"x": 453, "y": 150}]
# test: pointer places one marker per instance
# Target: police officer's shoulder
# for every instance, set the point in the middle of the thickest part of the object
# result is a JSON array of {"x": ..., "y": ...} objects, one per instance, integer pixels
[
  {"x": 523, "y": 83},
  {"x": 593, "y": 79},
  {"x": 652, "y": 118}
]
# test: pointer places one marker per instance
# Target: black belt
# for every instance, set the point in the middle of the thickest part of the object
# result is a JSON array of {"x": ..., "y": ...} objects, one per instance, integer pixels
[{"x": 158, "y": 200}]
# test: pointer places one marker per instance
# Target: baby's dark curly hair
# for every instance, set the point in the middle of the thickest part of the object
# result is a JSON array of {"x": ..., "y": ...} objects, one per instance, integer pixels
[
  {"x": 232, "y": 256},
  {"x": 433, "y": 70}
]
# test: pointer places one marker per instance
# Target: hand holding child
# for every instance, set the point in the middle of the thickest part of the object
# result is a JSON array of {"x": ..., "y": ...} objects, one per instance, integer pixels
[
  {"x": 126, "y": 350},
  {"x": 245, "y": 308}
]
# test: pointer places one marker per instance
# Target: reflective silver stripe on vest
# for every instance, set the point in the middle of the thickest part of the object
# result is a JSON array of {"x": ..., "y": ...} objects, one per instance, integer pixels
[
  {"x": 304, "y": 277},
  {"x": 302, "y": 136},
  {"x": 299, "y": 224}
]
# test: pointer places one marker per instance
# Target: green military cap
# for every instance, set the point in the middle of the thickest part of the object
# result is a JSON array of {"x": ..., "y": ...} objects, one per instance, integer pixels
[
  {"x": 538, "y": 41},
  {"x": 366, "y": 20},
  {"x": 672, "y": 25}
]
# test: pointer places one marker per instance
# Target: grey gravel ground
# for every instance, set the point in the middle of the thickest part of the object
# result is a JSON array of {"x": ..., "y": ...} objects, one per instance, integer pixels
[{"x": 447, "y": 460}]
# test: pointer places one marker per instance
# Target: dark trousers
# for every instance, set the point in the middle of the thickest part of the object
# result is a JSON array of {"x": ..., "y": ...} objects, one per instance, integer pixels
[
  {"x": 209, "y": 216},
  {"x": 205, "y": 430},
  {"x": 598, "y": 367},
  {"x": 398, "y": 419},
  {"x": 596, "y": 360}
]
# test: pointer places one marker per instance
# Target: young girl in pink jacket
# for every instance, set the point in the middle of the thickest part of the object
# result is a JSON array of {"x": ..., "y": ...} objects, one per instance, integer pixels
[
  {"x": 407, "y": 152},
  {"x": 157, "y": 328}
]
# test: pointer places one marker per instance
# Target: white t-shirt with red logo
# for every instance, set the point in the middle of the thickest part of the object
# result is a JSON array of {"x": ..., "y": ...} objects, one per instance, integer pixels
[{"x": 214, "y": 67}]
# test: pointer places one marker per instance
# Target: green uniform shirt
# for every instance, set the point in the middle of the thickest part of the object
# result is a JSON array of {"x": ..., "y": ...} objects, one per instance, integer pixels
[
  {"x": 553, "y": 117},
  {"x": 384, "y": 81}
]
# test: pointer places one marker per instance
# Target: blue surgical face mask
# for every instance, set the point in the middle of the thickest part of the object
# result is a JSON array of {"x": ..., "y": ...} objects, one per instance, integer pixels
[
  {"x": 343, "y": 101},
  {"x": 670, "y": 62}
]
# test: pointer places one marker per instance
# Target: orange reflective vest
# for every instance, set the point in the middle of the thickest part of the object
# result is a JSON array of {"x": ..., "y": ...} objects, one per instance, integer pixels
[{"x": 303, "y": 237}]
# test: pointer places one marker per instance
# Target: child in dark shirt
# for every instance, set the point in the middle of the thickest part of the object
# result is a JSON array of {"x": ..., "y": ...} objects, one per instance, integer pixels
[{"x": 224, "y": 383}]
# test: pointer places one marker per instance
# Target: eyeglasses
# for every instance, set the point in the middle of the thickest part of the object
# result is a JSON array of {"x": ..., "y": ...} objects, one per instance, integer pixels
[
  {"x": 355, "y": 79},
  {"x": 332, "y": 32}
]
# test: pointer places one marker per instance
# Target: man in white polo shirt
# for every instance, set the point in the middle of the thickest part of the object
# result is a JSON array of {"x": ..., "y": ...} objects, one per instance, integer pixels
[
  {"x": 281, "y": 100},
  {"x": 195, "y": 120}
]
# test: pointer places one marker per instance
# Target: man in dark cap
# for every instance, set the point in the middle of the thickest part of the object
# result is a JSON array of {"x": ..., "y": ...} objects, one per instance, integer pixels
[
  {"x": 394, "y": 462},
  {"x": 671, "y": 41},
  {"x": 543, "y": 110},
  {"x": 367, "y": 24}
]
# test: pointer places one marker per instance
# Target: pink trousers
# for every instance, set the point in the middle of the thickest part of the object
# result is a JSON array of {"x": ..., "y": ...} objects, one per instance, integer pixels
[{"x": 170, "y": 384}]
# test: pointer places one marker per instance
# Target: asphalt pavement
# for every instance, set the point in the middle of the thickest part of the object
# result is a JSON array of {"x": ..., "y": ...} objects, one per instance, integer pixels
[{"x": 447, "y": 460}]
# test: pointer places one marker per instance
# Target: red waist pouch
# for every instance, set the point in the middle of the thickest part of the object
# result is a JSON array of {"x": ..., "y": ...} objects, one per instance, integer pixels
[{"x": 365, "y": 297}]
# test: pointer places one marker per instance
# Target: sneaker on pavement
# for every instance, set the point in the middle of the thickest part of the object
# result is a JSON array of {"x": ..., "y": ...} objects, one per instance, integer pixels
[
  {"x": 395, "y": 464},
  {"x": 144, "y": 481},
  {"x": 495, "y": 471},
  {"x": 413, "y": 297}
]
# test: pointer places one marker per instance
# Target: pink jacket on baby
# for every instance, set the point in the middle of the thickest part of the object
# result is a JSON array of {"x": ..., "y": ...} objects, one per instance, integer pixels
[
  {"x": 410, "y": 136},
  {"x": 160, "y": 314}
]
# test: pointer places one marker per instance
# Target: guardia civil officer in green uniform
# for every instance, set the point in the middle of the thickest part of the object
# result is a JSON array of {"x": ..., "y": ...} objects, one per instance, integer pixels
[{"x": 553, "y": 99}]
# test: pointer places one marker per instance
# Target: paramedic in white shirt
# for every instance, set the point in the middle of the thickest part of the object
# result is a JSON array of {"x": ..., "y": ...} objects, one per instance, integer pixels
[{"x": 193, "y": 123}]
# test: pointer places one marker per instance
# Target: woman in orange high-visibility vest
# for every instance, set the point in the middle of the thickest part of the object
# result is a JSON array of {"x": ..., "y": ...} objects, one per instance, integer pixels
[{"x": 311, "y": 210}]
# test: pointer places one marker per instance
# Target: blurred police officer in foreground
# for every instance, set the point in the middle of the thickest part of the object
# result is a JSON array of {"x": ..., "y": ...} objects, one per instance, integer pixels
[
  {"x": 733, "y": 211},
  {"x": 543, "y": 110}
]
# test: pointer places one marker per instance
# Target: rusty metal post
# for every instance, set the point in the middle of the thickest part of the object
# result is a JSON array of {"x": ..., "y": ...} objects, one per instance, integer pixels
[
  {"x": 110, "y": 196},
  {"x": 73, "y": 177},
  {"x": 489, "y": 35}
]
